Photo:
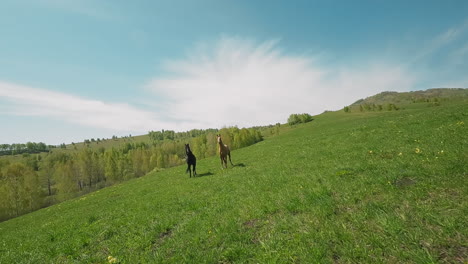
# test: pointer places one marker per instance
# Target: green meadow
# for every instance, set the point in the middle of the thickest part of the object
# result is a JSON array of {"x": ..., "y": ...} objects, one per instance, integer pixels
[{"x": 358, "y": 187}]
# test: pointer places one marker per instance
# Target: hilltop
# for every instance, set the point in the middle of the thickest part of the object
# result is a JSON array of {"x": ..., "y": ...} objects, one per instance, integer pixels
[
  {"x": 428, "y": 95},
  {"x": 367, "y": 187}
]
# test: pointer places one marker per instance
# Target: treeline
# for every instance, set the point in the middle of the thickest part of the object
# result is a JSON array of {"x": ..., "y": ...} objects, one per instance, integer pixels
[
  {"x": 373, "y": 107},
  {"x": 299, "y": 118},
  {"x": 42, "y": 180},
  {"x": 30, "y": 147},
  {"x": 172, "y": 135}
]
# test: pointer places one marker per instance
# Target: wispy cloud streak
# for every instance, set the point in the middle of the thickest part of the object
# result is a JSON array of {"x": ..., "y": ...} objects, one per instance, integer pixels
[{"x": 440, "y": 41}]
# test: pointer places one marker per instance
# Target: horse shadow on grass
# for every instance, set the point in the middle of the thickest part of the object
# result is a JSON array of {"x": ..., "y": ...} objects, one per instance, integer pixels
[
  {"x": 239, "y": 165},
  {"x": 205, "y": 174}
]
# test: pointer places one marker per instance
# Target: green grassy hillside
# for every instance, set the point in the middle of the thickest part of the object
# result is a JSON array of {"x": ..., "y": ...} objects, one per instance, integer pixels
[
  {"x": 361, "y": 187},
  {"x": 429, "y": 95}
]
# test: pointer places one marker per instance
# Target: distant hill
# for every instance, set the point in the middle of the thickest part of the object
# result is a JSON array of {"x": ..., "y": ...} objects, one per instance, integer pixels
[{"x": 414, "y": 96}]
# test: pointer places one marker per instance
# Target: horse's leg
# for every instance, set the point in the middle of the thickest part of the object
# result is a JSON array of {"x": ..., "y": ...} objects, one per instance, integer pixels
[
  {"x": 188, "y": 169},
  {"x": 222, "y": 166},
  {"x": 230, "y": 158},
  {"x": 194, "y": 170}
]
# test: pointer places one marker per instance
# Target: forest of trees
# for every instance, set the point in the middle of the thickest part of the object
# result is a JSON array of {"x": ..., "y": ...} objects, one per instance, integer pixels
[{"x": 40, "y": 180}]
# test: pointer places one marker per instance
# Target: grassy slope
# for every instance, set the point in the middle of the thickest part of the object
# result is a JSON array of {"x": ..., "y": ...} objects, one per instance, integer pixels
[
  {"x": 334, "y": 190},
  {"x": 442, "y": 94}
]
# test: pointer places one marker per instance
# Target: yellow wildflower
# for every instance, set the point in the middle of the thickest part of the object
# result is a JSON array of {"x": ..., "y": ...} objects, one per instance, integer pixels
[
  {"x": 370, "y": 152},
  {"x": 417, "y": 150},
  {"x": 111, "y": 259},
  {"x": 400, "y": 154}
]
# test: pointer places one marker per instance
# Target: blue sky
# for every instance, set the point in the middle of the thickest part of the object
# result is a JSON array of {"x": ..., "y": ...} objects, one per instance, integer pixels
[{"x": 72, "y": 70}]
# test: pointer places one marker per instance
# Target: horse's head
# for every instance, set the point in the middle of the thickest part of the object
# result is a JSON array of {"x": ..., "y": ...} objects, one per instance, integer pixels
[
  {"x": 218, "y": 137},
  {"x": 187, "y": 149}
]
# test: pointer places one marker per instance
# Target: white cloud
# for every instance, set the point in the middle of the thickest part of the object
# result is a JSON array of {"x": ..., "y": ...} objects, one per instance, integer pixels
[
  {"x": 239, "y": 82},
  {"x": 29, "y": 101}
]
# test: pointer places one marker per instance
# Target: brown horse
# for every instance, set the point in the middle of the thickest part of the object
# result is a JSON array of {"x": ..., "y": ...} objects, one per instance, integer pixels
[{"x": 224, "y": 151}]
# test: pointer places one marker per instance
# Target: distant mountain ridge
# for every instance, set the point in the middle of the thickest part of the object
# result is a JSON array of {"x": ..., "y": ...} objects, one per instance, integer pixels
[{"x": 414, "y": 96}]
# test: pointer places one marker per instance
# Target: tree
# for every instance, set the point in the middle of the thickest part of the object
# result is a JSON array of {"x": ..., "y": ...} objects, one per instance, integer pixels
[
  {"x": 111, "y": 171},
  {"x": 160, "y": 163},
  {"x": 47, "y": 169},
  {"x": 125, "y": 167},
  {"x": 299, "y": 118},
  {"x": 68, "y": 182},
  {"x": 30, "y": 146},
  {"x": 98, "y": 166},
  {"x": 305, "y": 118},
  {"x": 33, "y": 194},
  {"x": 293, "y": 119},
  {"x": 14, "y": 180},
  {"x": 42, "y": 146},
  {"x": 199, "y": 147},
  {"x": 22, "y": 190},
  {"x": 153, "y": 162},
  {"x": 4, "y": 203},
  {"x": 211, "y": 144},
  {"x": 137, "y": 162},
  {"x": 85, "y": 166}
]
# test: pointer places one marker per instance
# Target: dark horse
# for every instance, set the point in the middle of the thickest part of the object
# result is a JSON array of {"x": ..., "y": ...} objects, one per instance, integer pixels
[{"x": 191, "y": 161}]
